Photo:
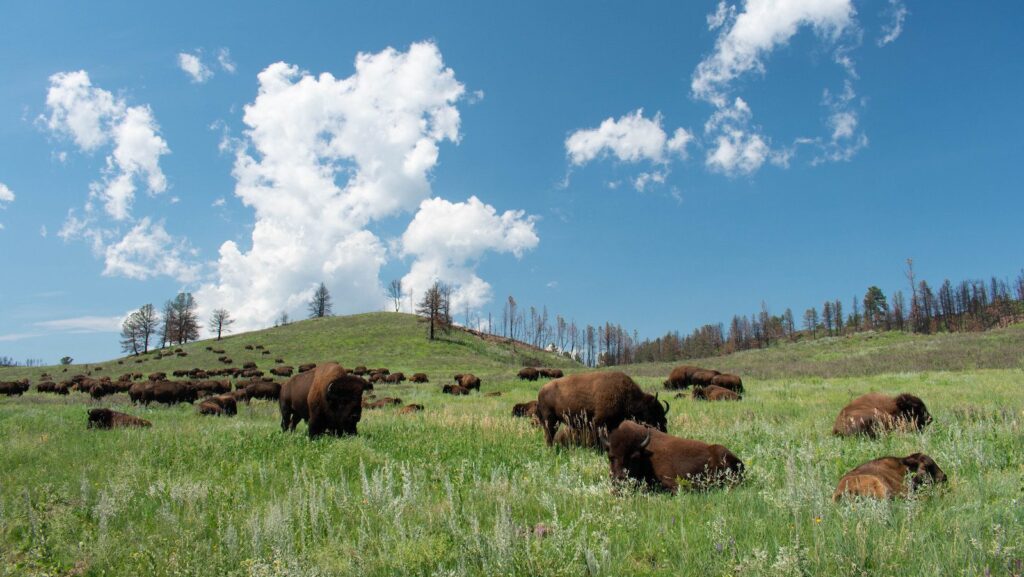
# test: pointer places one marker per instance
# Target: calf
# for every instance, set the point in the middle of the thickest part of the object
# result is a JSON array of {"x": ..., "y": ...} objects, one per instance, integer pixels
[{"x": 886, "y": 478}]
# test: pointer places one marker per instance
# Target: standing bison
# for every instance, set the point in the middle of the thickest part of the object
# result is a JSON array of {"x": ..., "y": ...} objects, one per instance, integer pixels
[
  {"x": 886, "y": 478},
  {"x": 528, "y": 374},
  {"x": 874, "y": 412},
  {"x": 659, "y": 460},
  {"x": 599, "y": 400},
  {"x": 551, "y": 373},
  {"x": 419, "y": 378},
  {"x": 394, "y": 378},
  {"x": 727, "y": 381},
  {"x": 335, "y": 401},
  {"x": 468, "y": 380},
  {"x": 683, "y": 376}
]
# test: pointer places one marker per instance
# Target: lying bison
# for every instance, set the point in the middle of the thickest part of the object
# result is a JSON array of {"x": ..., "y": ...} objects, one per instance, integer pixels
[
  {"x": 529, "y": 374},
  {"x": 219, "y": 405},
  {"x": 528, "y": 409},
  {"x": 107, "y": 419},
  {"x": 419, "y": 378},
  {"x": 659, "y": 460},
  {"x": 335, "y": 401},
  {"x": 874, "y": 412},
  {"x": 888, "y": 477},
  {"x": 599, "y": 400},
  {"x": 714, "y": 393},
  {"x": 454, "y": 390},
  {"x": 410, "y": 409},
  {"x": 380, "y": 404}
]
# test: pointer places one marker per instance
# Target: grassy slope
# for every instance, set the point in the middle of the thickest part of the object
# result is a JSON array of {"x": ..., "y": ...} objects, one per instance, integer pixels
[
  {"x": 867, "y": 354},
  {"x": 454, "y": 491},
  {"x": 392, "y": 340}
]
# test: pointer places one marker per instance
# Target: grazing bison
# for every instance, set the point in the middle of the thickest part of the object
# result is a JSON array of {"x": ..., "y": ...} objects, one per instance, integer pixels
[
  {"x": 874, "y": 412},
  {"x": 529, "y": 374},
  {"x": 335, "y": 401},
  {"x": 727, "y": 381},
  {"x": 454, "y": 390},
  {"x": 166, "y": 392},
  {"x": 679, "y": 378},
  {"x": 714, "y": 393},
  {"x": 528, "y": 409},
  {"x": 250, "y": 373},
  {"x": 307, "y": 367},
  {"x": 410, "y": 409},
  {"x": 886, "y": 478},
  {"x": 263, "y": 390},
  {"x": 52, "y": 387},
  {"x": 597, "y": 400},
  {"x": 283, "y": 371},
  {"x": 211, "y": 387},
  {"x": 660, "y": 460},
  {"x": 551, "y": 373},
  {"x": 249, "y": 365},
  {"x": 13, "y": 389},
  {"x": 419, "y": 378},
  {"x": 469, "y": 381},
  {"x": 394, "y": 378},
  {"x": 158, "y": 377},
  {"x": 107, "y": 419}
]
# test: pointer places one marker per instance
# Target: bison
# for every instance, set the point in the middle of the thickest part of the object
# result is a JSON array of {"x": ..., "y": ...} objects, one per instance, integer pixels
[
  {"x": 683, "y": 376},
  {"x": 454, "y": 390},
  {"x": 529, "y": 374},
  {"x": 307, "y": 367},
  {"x": 602, "y": 399},
  {"x": 294, "y": 400},
  {"x": 727, "y": 381},
  {"x": 551, "y": 373},
  {"x": 380, "y": 404},
  {"x": 219, "y": 405},
  {"x": 659, "y": 460},
  {"x": 714, "y": 393},
  {"x": 528, "y": 409},
  {"x": 419, "y": 378},
  {"x": 157, "y": 377},
  {"x": 263, "y": 390},
  {"x": 52, "y": 387},
  {"x": 282, "y": 371},
  {"x": 410, "y": 409},
  {"x": 166, "y": 392},
  {"x": 394, "y": 378},
  {"x": 468, "y": 380},
  {"x": 13, "y": 389},
  {"x": 360, "y": 370},
  {"x": 107, "y": 419},
  {"x": 335, "y": 401},
  {"x": 886, "y": 478},
  {"x": 874, "y": 412}
]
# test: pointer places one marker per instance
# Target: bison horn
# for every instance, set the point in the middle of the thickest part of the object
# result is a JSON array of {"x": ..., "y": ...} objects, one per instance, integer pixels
[
  {"x": 666, "y": 407},
  {"x": 646, "y": 441},
  {"x": 331, "y": 384}
]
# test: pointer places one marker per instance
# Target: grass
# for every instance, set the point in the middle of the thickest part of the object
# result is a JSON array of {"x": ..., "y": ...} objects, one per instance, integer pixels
[{"x": 459, "y": 488}]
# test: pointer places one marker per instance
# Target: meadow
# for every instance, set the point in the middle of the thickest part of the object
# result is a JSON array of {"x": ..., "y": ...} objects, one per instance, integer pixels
[{"x": 463, "y": 488}]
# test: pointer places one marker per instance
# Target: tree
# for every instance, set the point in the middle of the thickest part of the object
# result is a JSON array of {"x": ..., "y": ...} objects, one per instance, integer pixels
[
  {"x": 282, "y": 320},
  {"x": 395, "y": 293},
  {"x": 433, "y": 308},
  {"x": 221, "y": 321},
  {"x": 131, "y": 334},
  {"x": 168, "y": 333},
  {"x": 811, "y": 321},
  {"x": 320, "y": 304},
  {"x": 186, "y": 320},
  {"x": 876, "y": 308},
  {"x": 66, "y": 360},
  {"x": 826, "y": 317}
]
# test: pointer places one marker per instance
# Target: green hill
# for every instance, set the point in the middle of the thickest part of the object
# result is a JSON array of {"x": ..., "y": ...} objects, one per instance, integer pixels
[
  {"x": 867, "y": 353},
  {"x": 393, "y": 340}
]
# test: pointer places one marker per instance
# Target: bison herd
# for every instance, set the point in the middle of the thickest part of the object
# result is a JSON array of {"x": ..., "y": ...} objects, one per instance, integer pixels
[{"x": 605, "y": 410}]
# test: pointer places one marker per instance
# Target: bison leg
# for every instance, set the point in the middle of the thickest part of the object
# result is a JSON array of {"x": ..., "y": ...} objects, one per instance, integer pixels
[
  {"x": 315, "y": 428},
  {"x": 286, "y": 420}
]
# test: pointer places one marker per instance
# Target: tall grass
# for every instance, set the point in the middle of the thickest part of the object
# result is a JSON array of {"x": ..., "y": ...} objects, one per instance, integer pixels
[{"x": 460, "y": 488}]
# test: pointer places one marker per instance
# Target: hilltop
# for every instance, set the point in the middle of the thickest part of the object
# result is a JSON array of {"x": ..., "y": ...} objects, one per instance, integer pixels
[{"x": 394, "y": 340}]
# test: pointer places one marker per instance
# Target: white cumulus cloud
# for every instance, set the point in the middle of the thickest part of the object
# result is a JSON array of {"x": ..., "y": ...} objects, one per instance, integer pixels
[
  {"x": 448, "y": 239},
  {"x": 629, "y": 138},
  {"x": 147, "y": 250},
  {"x": 93, "y": 117},
  {"x": 193, "y": 65},
  {"x": 321, "y": 158},
  {"x": 6, "y": 195}
]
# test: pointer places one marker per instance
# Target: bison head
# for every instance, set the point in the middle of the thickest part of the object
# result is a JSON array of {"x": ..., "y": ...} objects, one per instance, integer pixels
[
  {"x": 653, "y": 413},
  {"x": 100, "y": 418},
  {"x": 923, "y": 470},
  {"x": 627, "y": 452},
  {"x": 913, "y": 410},
  {"x": 345, "y": 397}
]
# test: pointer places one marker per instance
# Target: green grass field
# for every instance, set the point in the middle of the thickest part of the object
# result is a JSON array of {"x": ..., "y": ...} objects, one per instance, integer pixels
[{"x": 459, "y": 488}]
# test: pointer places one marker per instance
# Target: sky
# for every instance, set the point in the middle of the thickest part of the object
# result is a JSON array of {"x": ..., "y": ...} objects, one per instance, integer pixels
[{"x": 657, "y": 165}]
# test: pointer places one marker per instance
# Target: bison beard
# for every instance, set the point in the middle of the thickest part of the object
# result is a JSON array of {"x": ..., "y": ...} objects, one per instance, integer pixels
[
  {"x": 659, "y": 460},
  {"x": 599, "y": 400},
  {"x": 335, "y": 401}
]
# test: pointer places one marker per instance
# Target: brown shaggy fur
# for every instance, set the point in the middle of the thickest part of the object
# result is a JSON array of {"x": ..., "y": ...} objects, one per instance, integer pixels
[
  {"x": 659, "y": 460},
  {"x": 886, "y": 478},
  {"x": 454, "y": 390},
  {"x": 552, "y": 373},
  {"x": 528, "y": 374},
  {"x": 107, "y": 419},
  {"x": 294, "y": 400},
  {"x": 410, "y": 409},
  {"x": 714, "y": 393},
  {"x": 528, "y": 409},
  {"x": 727, "y": 381},
  {"x": 419, "y": 378},
  {"x": 469, "y": 381},
  {"x": 874, "y": 412},
  {"x": 600, "y": 399},
  {"x": 335, "y": 401}
]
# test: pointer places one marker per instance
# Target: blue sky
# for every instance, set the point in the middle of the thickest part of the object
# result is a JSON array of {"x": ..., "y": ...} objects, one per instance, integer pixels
[{"x": 660, "y": 166}]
